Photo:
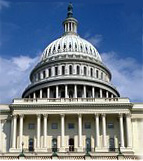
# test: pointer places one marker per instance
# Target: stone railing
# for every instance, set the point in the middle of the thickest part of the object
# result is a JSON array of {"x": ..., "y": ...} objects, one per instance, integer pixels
[{"x": 71, "y": 100}]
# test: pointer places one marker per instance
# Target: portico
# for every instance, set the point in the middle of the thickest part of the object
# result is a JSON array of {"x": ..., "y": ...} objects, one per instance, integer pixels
[{"x": 96, "y": 119}]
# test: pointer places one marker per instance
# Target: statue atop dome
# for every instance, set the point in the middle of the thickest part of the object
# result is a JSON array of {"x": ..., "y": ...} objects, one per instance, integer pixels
[{"x": 70, "y": 10}]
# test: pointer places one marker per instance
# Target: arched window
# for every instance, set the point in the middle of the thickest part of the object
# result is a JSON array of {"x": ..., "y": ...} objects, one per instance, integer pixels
[
  {"x": 38, "y": 76},
  {"x": 31, "y": 144},
  {"x": 49, "y": 72},
  {"x": 70, "y": 46},
  {"x": 54, "y": 145},
  {"x": 64, "y": 46},
  {"x": 44, "y": 74},
  {"x": 63, "y": 70},
  {"x": 101, "y": 75},
  {"x": 111, "y": 144},
  {"x": 81, "y": 47},
  {"x": 97, "y": 73},
  {"x": 70, "y": 69},
  {"x": 56, "y": 70},
  {"x": 91, "y": 72},
  {"x": 78, "y": 70},
  {"x": 71, "y": 144},
  {"x": 88, "y": 144},
  {"x": 85, "y": 71}
]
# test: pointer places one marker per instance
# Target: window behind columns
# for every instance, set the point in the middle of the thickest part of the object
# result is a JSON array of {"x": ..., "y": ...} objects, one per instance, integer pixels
[
  {"x": 56, "y": 70},
  {"x": 44, "y": 74},
  {"x": 97, "y": 74},
  {"x": 91, "y": 72},
  {"x": 85, "y": 71},
  {"x": 70, "y": 69},
  {"x": 78, "y": 70},
  {"x": 63, "y": 70},
  {"x": 49, "y": 72},
  {"x": 111, "y": 144},
  {"x": 31, "y": 144}
]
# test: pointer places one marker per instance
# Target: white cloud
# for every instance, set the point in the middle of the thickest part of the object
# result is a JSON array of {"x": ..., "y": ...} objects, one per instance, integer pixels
[
  {"x": 95, "y": 40},
  {"x": 4, "y": 3},
  {"x": 14, "y": 74},
  {"x": 127, "y": 75}
]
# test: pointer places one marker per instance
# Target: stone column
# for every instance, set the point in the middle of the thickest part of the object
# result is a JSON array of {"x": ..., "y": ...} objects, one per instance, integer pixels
[
  {"x": 104, "y": 130},
  {"x": 84, "y": 91},
  {"x": 80, "y": 132},
  {"x": 48, "y": 92},
  {"x": 21, "y": 131},
  {"x": 101, "y": 93},
  {"x": 47, "y": 72},
  {"x": 112, "y": 95},
  {"x": 66, "y": 91},
  {"x": 97, "y": 130},
  {"x": 107, "y": 94},
  {"x": 14, "y": 131},
  {"x": 93, "y": 92},
  {"x": 129, "y": 130},
  {"x": 62, "y": 132},
  {"x": 34, "y": 95},
  {"x": 38, "y": 130},
  {"x": 45, "y": 130},
  {"x": 41, "y": 93},
  {"x": 75, "y": 91},
  {"x": 57, "y": 91},
  {"x": 121, "y": 130}
]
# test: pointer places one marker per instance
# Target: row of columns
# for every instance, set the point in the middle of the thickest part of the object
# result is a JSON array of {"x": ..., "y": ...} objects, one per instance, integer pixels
[
  {"x": 57, "y": 71},
  {"x": 97, "y": 130},
  {"x": 75, "y": 92}
]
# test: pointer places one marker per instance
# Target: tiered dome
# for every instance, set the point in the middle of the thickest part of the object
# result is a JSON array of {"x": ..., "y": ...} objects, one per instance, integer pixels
[
  {"x": 70, "y": 43},
  {"x": 70, "y": 67}
]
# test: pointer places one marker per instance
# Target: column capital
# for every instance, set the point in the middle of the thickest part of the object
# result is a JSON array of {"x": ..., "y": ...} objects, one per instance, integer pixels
[
  {"x": 21, "y": 115},
  {"x": 45, "y": 115},
  {"x": 79, "y": 115},
  {"x": 96, "y": 114},
  {"x": 128, "y": 114},
  {"x": 121, "y": 114},
  {"x": 14, "y": 115},
  {"x": 38, "y": 115},
  {"x": 62, "y": 115},
  {"x": 103, "y": 114}
]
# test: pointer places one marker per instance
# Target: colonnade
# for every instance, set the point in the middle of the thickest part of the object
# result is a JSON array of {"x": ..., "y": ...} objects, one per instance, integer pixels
[
  {"x": 98, "y": 144},
  {"x": 85, "y": 91}
]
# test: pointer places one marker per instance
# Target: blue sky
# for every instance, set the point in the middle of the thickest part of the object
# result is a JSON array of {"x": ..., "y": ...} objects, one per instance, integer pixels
[{"x": 113, "y": 26}]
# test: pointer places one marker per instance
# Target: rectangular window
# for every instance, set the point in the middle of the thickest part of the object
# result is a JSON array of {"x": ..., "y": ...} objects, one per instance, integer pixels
[
  {"x": 54, "y": 126},
  {"x": 110, "y": 125},
  {"x": 71, "y": 126},
  {"x": 87, "y": 125},
  {"x": 31, "y": 126}
]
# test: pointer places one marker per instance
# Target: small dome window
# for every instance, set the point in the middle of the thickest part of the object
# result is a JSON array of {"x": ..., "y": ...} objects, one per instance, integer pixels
[
  {"x": 64, "y": 46},
  {"x": 59, "y": 47},
  {"x": 70, "y": 46},
  {"x": 86, "y": 48},
  {"x": 54, "y": 48},
  {"x": 75, "y": 45},
  {"x": 81, "y": 47}
]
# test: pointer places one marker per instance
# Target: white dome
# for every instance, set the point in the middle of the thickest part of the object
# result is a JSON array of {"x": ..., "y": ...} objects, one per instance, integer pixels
[{"x": 70, "y": 43}]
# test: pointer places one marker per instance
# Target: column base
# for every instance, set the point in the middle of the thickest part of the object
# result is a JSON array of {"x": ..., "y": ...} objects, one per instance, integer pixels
[
  {"x": 62, "y": 150},
  {"x": 15, "y": 150},
  {"x": 79, "y": 149},
  {"x": 41, "y": 150},
  {"x": 101, "y": 149}
]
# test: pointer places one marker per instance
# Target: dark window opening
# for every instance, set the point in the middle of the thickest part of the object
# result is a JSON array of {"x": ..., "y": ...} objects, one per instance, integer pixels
[
  {"x": 71, "y": 144},
  {"x": 31, "y": 145}
]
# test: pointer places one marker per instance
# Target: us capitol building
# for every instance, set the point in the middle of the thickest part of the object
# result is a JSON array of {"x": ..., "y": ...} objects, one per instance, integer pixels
[{"x": 71, "y": 110}]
